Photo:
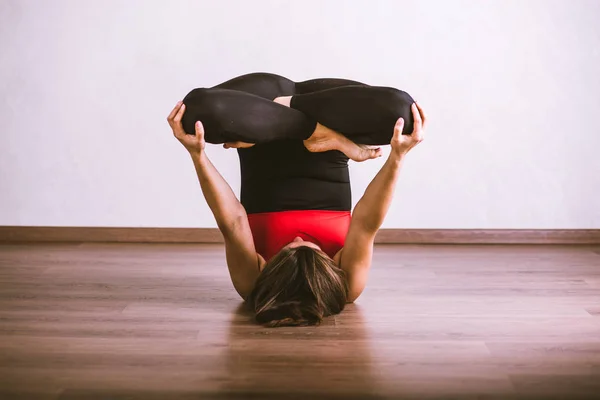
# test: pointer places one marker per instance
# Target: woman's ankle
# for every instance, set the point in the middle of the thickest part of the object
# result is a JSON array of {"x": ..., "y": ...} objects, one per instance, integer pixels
[{"x": 323, "y": 139}]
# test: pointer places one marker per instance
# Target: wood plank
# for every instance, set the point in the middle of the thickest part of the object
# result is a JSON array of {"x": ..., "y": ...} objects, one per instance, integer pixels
[
  {"x": 10, "y": 234},
  {"x": 152, "y": 321}
]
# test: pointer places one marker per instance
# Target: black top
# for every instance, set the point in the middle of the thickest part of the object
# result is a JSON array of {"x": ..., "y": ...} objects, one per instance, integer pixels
[{"x": 284, "y": 175}]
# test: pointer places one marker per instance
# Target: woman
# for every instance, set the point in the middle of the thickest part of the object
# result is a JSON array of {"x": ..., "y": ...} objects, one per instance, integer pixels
[{"x": 294, "y": 251}]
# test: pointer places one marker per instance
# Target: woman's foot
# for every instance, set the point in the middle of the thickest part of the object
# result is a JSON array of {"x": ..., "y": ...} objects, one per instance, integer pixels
[
  {"x": 361, "y": 152},
  {"x": 326, "y": 139}
]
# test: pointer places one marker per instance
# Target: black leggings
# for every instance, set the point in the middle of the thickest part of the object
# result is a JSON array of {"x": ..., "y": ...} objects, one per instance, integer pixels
[{"x": 242, "y": 109}]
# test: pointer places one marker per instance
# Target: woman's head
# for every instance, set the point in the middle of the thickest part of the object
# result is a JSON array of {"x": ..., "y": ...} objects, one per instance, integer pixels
[{"x": 298, "y": 286}]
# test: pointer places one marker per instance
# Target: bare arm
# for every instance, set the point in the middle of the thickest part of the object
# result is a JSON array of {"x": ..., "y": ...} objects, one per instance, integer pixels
[
  {"x": 242, "y": 260},
  {"x": 223, "y": 203},
  {"x": 371, "y": 209}
]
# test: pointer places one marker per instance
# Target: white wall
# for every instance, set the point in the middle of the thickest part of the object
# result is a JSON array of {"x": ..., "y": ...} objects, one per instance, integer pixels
[{"x": 511, "y": 86}]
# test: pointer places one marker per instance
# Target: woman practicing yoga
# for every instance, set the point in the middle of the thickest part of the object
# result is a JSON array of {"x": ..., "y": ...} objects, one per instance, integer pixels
[{"x": 294, "y": 251}]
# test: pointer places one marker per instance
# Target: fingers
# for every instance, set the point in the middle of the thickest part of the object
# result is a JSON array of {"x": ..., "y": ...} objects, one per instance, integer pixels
[
  {"x": 174, "y": 111},
  {"x": 199, "y": 128},
  {"x": 174, "y": 120},
  {"x": 399, "y": 126},
  {"x": 417, "y": 133},
  {"x": 418, "y": 124},
  {"x": 423, "y": 116},
  {"x": 179, "y": 115}
]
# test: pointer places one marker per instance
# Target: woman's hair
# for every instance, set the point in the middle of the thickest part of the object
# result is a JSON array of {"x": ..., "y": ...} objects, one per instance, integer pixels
[{"x": 298, "y": 286}]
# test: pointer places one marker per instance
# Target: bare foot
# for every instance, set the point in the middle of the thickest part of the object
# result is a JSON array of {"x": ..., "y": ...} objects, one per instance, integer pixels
[
  {"x": 323, "y": 139},
  {"x": 361, "y": 152},
  {"x": 326, "y": 139}
]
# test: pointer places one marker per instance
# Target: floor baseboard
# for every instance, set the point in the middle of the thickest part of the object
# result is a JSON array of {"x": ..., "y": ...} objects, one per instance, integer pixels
[{"x": 212, "y": 235}]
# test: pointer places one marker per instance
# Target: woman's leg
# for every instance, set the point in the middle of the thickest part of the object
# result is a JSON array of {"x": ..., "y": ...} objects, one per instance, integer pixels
[
  {"x": 271, "y": 86},
  {"x": 317, "y": 85},
  {"x": 232, "y": 115},
  {"x": 241, "y": 109},
  {"x": 265, "y": 85},
  {"x": 364, "y": 114}
]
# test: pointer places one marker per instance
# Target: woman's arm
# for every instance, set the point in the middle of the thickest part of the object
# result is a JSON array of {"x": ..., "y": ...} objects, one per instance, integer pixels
[
  {"x": 242, "y": 260},
  {"x": 370, "y": 211},
  {"x": 223, "y": 203}
]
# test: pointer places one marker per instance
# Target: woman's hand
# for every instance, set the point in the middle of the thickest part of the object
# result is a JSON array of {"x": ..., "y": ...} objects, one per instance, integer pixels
[
  {"x": 193, "y": 143},
  {"x": 401, "y": 144}
]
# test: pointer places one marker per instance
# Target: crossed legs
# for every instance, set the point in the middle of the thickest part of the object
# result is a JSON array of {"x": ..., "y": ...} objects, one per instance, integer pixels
[{"x": 261, "y": 107}]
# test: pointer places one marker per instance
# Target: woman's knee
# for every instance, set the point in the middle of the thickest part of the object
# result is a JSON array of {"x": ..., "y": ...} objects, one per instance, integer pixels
[
  {"x": 397, "y": 102},
  {"x": 201, "y": 97},
  {"x": 205, "y": 105},
  {"x": 397, "y": 97}
]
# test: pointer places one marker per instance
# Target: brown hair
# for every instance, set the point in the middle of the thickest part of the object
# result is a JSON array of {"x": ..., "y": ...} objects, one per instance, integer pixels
[{"x": 298, "y": 286}]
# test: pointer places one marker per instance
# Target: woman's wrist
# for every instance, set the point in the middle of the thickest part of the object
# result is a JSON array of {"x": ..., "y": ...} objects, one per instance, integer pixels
[
  {"x": 397, "y": 156},
  {"x": 197, "y": 156}
]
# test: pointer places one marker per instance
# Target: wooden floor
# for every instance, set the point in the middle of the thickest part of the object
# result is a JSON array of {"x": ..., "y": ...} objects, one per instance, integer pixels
[{"x": 162, "y": 321}]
